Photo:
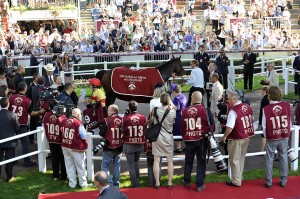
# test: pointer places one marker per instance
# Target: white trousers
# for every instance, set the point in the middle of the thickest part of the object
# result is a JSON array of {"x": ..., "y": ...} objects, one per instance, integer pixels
[{"x": 75, "y": 161}]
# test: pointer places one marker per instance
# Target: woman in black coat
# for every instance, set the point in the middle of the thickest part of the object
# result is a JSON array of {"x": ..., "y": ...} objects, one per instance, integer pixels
[{"x": 264, "y": 102}]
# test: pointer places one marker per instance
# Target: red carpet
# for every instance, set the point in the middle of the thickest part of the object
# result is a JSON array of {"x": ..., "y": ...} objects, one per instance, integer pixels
[{"x": 253, "y": 189}]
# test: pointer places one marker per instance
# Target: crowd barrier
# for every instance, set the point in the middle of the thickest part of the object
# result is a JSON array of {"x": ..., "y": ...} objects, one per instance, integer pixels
[{"x": 42, "y": 152}]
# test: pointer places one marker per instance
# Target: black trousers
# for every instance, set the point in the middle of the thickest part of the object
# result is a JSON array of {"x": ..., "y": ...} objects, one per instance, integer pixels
[
  {"x": 296, "y": 79},
  {"x": 8, "y": 153},
  {"x": 214, "y": 24},
  {"x": 58, "y": 161},
  {"x": 225, "y": 80},
  {"x": 193, "y": 89},
  {"x": 248, "y": 76},
  {"x": 198, "y": 148},
  {"x": 34, "y": 122}
]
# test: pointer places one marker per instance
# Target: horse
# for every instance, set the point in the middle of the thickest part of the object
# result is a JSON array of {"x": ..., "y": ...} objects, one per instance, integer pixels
[{"x": 166, "y": 69}]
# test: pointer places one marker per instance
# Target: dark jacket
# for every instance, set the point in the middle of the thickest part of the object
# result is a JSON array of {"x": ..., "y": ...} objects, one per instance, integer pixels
[
  {"x": 112, "y": 193},
  {"x": 203, "y": 61},
  {"x": 33, "y": 62},
  {"x": 4, "y": 60},
  {"x": 29, "y": 90},
  {"x": 296, "y": 63},
  {"x": 74, "y": 59},
  {"x": 36, "y": 92},
  {"x": 264, "y": 102},
  {"x": 251, "y": 58},
  {"x": 159, "y": 48},
  {"x": 222, "y": 64},
  {"x": 18, "y": 78},
  {"x": 64, "y": 97},
  {"x": 9, "y": 126}
]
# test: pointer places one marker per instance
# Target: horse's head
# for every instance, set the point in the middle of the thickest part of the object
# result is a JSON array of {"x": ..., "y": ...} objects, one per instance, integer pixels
[{"x": 178, "y": 67}]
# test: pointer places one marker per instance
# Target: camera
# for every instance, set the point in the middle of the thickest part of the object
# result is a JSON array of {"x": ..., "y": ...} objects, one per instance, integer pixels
[
  {"x": 49, "y": 93},
  {"x": 217, "y": 155},
  {"x": 103, "y": 142},
  {"x": 127, "y": 111}
]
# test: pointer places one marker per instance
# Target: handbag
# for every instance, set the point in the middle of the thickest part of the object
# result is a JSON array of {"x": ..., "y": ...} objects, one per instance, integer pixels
[{"x": 154, "y": 130}]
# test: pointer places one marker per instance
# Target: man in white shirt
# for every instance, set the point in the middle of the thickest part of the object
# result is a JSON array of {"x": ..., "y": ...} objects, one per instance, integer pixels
[
  {"x": 67, "y": 48},
  {"x": 111, "y": 10},
  {"x": 196, "y": 80},
  {"x": 206, "y": 15}
]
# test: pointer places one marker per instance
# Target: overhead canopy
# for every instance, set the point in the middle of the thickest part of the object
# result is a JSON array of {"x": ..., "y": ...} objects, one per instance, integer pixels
[{"x": 34, "y": 15}]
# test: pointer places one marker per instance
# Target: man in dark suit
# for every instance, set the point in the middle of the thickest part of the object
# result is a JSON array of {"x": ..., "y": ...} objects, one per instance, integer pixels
[
  {"x": 249, "y": 59},
  {"x": 49, "y": 78},
  {"x": 203, "y": 59},
  {"x": 296, "y": 66},
  {"x": 107, "y": 191},
  {"x": 160, "y": 47},
  {"x": 4, "y": 58},
  {"x": 9, "y": 127},
  {"x": 34, "y": 62},
  {"x": 19, "y": 77},
  {"x": 211, "y": 70},
  {"x": 222, "y": 67}
]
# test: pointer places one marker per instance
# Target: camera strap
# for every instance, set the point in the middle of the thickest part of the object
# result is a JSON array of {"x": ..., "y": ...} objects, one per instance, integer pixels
[{"x": 163, "y": 118}]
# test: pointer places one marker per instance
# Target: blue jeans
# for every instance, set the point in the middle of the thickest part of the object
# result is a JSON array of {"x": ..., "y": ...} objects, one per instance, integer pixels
[{"x": 115, "y": 157}]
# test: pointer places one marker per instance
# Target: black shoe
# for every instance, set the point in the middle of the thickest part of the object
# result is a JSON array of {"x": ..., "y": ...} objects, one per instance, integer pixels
[
  {"x": 283, "y": 185},
  {"x": 30, "y": 164},
  {"x": 170, "y": 186},
  {"x": 186, "y": 184},
  {"x": 177, "y": 150},
  {"x": 231, "y": 184},
  {"x": 199, "y": 189},
  {"x": 268, "y": 186}
]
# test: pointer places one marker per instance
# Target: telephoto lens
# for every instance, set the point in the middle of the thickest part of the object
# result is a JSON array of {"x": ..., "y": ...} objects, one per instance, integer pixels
[
  {"x": 101, "y": 144},
  {"x": 292, "y": 155},
  {"x": 218, "y": 157}
]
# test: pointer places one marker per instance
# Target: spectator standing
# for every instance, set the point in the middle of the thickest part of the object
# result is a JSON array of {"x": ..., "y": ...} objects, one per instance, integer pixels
[
  {"x": 296, "y": 66},
  {"x": 203, "y": 58},
  {"x": 134, "y": 130},
  {"x": 49, "y": 77},
  {"x": 196, "y": 144},
  {"x": 196, "y": 80},
  {"x": 216, "y": 95},
  {"x": 107, "y": 191},
  {"x": 67, "y": 67},
  {"x": 276, "y": 141},
  {"x": 9, "y": 127},
  {"x": 222, "y": 67},
  {"x": 249, "y": 60},
  {"x": 239, "y": 128},
  {"x": 214, "y": 16},
  {"x": 164, "y": 145},
  {"x": 65, "y": 95},
  {"x": 19, "y": 77},
  {"x": 272, "y": 76},
  {"x": 111, "y": 131},
  {"x": 57, "y": 64},
  {"x": 34, "y": 62},
  {"x": 74, "y": 146},
  {"x": 179, "y": 102},
  {"x": 57, "y": 82}
]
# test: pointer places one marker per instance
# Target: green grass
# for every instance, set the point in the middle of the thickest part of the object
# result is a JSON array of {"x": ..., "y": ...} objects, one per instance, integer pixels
[
  {"x": 291, "y": 96},
  {"x": 30, "y": 183}
]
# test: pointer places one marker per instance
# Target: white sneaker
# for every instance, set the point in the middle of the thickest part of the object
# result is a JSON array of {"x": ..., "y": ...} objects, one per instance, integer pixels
[{"x": 87, "y": 185}]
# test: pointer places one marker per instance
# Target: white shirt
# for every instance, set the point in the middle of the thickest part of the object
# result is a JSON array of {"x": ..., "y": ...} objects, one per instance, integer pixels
[
  {"x": 232, "y": 117},
  {"x": 155, "y": 102},
  {"x": 196, "y": 79}
]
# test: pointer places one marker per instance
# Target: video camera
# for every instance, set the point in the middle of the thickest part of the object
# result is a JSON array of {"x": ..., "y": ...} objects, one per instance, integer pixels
[
  {"x": 61, "y": 108},
  {"x": 49, "y": 93}
]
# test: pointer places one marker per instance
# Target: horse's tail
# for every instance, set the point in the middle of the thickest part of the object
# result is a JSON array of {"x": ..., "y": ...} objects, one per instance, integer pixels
[{"x": 100, "y": 74}]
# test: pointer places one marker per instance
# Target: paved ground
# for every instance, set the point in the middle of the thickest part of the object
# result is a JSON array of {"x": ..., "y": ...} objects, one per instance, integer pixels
[{"x": 251, "y": 162}]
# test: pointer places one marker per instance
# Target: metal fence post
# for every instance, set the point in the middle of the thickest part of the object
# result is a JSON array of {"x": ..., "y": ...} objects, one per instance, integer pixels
[
  {"x": 283, "y": 67},
  {"x": 262, "y": 66},
  {"x": 40, "y": 69},
  {"x": 138, "y": 64},
  {"x": 295, "y": 146},
  {"x": 286, "y": 81},
  {"x": 41, "y": 147},
  {"x": 231, "y": 76},
  {"x": 89, "y": 156},
  {"x": 105, "y": 65}
]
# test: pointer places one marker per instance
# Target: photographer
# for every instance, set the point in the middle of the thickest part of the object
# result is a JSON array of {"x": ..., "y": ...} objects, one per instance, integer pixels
[
  {"x": 134, "y": 130},
  {"x": 22, "y": 107},
  {"x": 52, "y": 126},
  {"x": 196, "y": 143},
  {"x": 111, "y": 131},
  {"x": 74, "y": 146},
  {"x": 239, "y": 129},
  {"x": 64, "y": 96}
]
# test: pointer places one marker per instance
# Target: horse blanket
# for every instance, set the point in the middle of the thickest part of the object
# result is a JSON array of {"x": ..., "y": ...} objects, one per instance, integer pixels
[{"x": 126, "y": 81}]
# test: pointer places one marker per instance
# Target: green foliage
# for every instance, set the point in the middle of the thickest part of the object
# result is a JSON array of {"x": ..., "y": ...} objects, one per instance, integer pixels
[
  {"x": 291, "y": 96},
  {"x": 31, "y": 182}
]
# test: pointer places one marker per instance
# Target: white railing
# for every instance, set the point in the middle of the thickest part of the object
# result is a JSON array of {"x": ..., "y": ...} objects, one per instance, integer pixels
[
  {"x": 41, "y": 152},
  {"x": 277, "y": 22},
  {"x": 90, "y": 157}
]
